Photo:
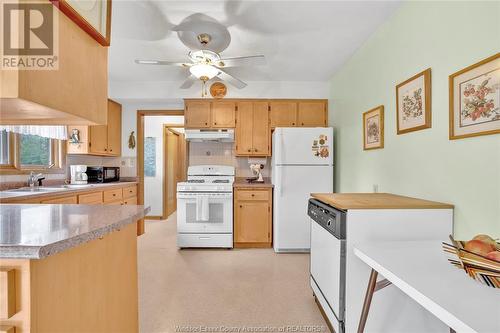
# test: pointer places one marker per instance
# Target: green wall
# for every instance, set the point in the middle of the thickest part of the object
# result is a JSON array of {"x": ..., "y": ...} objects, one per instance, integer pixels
[{"x": 445, "y": 36}]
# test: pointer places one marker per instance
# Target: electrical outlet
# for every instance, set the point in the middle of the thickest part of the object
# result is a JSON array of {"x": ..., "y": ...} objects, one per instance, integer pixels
[{"x": 375, "y": 188}]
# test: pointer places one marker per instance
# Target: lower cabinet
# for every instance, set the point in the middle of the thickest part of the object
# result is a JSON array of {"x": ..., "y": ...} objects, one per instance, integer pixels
[
  {"x": 253, "y": 217},
  {"x": 125, "y": 195}
]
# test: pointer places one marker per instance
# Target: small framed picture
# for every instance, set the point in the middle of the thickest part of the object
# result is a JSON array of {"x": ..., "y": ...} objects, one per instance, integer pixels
[
  {"x": 413, "y": 103},
  {"x": 475, "y": 99},
  {"x": 373, "y": 128}
]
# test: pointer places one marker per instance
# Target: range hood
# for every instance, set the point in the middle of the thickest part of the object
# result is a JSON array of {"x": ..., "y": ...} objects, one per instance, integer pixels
[{"x": 200, "y": 135}]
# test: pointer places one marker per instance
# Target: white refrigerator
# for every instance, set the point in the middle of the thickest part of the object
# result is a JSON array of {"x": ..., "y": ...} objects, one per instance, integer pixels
[{"x": 302, "y": 163}]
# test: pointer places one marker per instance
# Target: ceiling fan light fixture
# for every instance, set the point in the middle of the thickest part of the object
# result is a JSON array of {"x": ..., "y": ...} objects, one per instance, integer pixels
[{"x": 200, "y": 70}]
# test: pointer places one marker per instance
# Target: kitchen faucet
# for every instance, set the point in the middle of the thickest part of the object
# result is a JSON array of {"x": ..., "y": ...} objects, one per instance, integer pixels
[{"x": 32, "y": 178}]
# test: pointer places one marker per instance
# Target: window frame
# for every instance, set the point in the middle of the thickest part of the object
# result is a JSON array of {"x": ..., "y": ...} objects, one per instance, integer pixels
[{"x": 57, "y": 156}]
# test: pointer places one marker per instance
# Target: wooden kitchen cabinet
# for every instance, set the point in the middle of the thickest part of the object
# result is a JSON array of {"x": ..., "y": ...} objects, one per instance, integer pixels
[
  {"x": 63, "y": 200},
  {"x": 223, "y": 114},
  {"x": 114, "y": 133},
  {"x": 298, "y": 113},
  {"x": 209, "y": 114},
  {"x": 253, "y": 217},
  {"x": 102, "y": 140},
  {"x": 197, "y": 114},
  {"x": 252, "y": 129},
  {"x": 283, "y": 113},
  {"x": 312, "y": 113}
]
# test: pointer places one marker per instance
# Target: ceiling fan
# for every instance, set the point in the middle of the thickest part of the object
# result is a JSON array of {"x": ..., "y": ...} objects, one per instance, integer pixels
[{"x": 206, "y": 38}]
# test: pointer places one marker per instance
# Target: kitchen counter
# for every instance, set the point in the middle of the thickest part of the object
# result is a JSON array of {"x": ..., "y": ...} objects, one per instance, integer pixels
[
  {"x": 13, "y": 195},
  {"x": 242, "y": 182},
  {"x": 376, "y": 201},
  {"x": 39, "y": 231}
]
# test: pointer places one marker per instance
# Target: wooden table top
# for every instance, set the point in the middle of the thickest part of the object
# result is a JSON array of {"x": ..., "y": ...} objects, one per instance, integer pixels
[{"x": 376, "y": 201}]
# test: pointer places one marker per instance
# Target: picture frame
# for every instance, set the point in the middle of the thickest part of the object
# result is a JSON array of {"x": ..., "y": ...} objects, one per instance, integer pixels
[
  {"x": 474, "y": 99},
  {"x": 413, "y": 103},
  {"x": 373, "y": 128},
  {"x": 92, "y": 16}
]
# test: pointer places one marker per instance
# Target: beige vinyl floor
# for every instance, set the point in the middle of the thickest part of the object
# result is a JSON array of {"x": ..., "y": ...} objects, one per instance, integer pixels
[{"x": 239, "y": 290}]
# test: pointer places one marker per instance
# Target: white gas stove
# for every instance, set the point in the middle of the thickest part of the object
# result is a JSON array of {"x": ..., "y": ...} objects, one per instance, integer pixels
[{"x": 205, "y": 207}]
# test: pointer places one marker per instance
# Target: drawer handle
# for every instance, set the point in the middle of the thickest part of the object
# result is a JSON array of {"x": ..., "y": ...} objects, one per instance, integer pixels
[
  {"x": 114, "y": 194},
  {"x": 241, "y": 206},
  {"x": 215, "y": 123},
  {"x": 293, "y": 124},
  {"x": 249, "y": 150},
  {"x": 253, "y": 195}
]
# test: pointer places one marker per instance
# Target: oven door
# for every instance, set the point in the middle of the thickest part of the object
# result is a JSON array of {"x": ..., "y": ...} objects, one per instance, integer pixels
[{"x": 220, "y": 216}]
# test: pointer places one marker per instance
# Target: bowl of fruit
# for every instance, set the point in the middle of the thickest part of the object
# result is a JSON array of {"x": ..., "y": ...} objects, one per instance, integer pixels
[{"x": 478, "y": 257}]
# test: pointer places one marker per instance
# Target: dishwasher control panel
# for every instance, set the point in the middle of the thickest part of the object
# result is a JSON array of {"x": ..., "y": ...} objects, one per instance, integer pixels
[{"x": 333, "y": 220}]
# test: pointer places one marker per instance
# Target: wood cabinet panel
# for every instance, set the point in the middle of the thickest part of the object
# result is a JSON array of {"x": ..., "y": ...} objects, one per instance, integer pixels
[
  {"x": 244, "y": 128},
  {"x": 253, "y": 222},
  {"x": 223, "y": 114},
  {"x": 90, "y": 198},
  {"x": 112, "y": 195},
  {"x": 62, "y": 200},
  {"x": 283, "y": 113},
  {"x": 98, "y": 143},
  {"x": 312, "y": 114},
  {"x": 252, "y": 195},
  {"x": 130, "y": 201},
  {"x": 7, "y": 292},
  {"x": 197, "y": 114},
  {"x": 130, "y": 191},
  {"x": 114, "y": 128},
  {"x": 252, "y": 218},
  {"x": 261, "y": 130}
]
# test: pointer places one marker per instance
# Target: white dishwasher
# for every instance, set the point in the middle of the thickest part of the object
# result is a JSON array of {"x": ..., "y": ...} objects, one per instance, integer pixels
[{"x": 328, "y": 260}]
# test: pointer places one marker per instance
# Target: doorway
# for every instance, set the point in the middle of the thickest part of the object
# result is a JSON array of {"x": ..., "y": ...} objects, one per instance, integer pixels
[
  {"x": 175, "y": 164},
  {"x": 151, "y": 159}
]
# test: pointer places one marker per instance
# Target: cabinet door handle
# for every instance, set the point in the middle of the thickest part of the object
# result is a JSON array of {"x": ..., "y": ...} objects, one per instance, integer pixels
[
  {"x": 293, "y": 124},
  {"x": 215, "y": 123},
  {"x": 206, "y": 123},
  {"x": 105, "y": 149},
  {"x": 241, "y": 206},
  {"x": 249, "y": 150},
  {"x": 255, "y": 149},
  {"x": 253, "y": 195},
  {"x": 302, "y": 124}
]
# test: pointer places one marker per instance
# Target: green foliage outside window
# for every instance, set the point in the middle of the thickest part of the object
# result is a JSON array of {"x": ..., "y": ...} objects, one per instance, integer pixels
[{"x": 34, "y": 150}]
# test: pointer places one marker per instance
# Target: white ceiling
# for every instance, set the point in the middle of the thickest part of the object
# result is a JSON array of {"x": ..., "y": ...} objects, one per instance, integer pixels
[{"x": 302, "y": 40}]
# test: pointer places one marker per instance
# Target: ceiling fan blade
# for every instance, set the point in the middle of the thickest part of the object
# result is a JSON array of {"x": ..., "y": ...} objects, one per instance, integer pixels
[
  {"x": 231, "y": 79},
  {"x": 161, "y": 62},
  {"x": 242, "y": 61},
  {"x": 189, "y": 82}
]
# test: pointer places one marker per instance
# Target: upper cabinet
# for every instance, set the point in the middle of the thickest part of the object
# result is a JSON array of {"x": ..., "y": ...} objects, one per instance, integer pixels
[
  {"x": 103, "y": 140},
  {"x": 197, "y": 114},
  {"x": 283, "y": 113},
  {"x": 253, "y": 135},
  {"x": 312, "y": 113},
  {"x": 209, "y": 114},
  {"x": 302, "y": 113},
  {"x": 74, "y": 94}
]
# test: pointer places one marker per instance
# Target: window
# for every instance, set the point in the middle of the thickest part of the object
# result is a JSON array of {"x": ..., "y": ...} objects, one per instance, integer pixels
[
  {"x": 34, "y": 150},
  {"x": 4, "y": 148},
  {"x": 22, "y": 153}
]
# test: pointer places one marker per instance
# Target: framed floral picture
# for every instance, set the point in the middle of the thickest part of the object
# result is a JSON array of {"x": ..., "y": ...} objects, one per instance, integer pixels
[
  {"x": 413, "y": 103},
  {"x": 373, "y": 128},
  {"x": 475, "y": 99},
  {"x": 92, "y": 16}
]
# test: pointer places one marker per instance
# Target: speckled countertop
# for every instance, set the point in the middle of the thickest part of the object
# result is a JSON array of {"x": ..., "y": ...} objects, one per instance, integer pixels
[
  {"x": 242, "y": 182},
  {"x": 38, "y": 231},
  {"x": 13, "y": 195}
]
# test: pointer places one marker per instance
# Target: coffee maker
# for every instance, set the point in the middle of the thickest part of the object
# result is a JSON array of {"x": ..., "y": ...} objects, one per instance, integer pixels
[{"x": 78, "y": 175}]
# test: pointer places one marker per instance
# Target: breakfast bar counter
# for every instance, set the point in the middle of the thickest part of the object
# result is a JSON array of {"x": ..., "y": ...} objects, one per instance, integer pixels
[{"x": 69, "y": 268}]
